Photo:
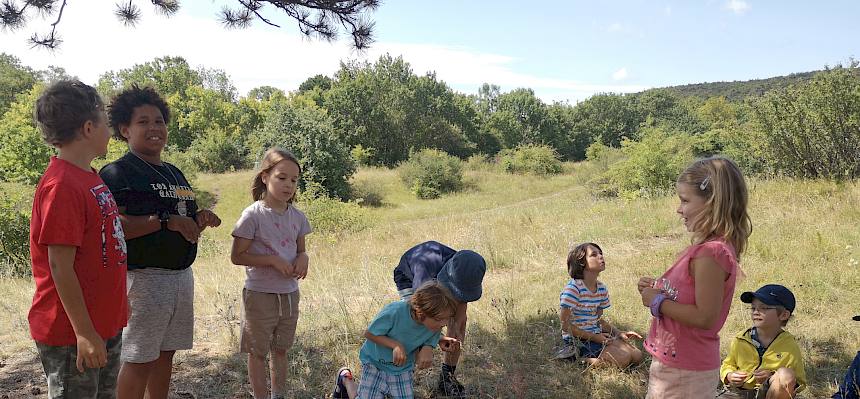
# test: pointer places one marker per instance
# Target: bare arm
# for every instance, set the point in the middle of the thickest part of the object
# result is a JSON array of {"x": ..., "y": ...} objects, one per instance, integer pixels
[
  {"x": 139, "y": 226},
  {"x": 710, "y": 281},
  {"x": 566, "y": 314},
  {"x": 457, "y": 326},
  {"x": 239, "y": 256},
  {"x": 301, "y": 263},
  {"x": 90, "y": 346},
  {"x": 398, "y": 355}
]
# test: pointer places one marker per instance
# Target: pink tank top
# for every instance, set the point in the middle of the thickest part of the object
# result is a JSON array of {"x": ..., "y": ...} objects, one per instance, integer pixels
[{"x": 690, "y": 348}]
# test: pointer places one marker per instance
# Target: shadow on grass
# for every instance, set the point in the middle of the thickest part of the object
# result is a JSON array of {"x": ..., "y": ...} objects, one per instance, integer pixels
[
  {"x": 515, "y": 361},
  {"x": 826, "y": 361}
]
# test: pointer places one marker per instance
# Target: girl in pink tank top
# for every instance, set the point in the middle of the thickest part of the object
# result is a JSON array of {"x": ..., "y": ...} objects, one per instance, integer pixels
[{"x": 690, "y": 301}]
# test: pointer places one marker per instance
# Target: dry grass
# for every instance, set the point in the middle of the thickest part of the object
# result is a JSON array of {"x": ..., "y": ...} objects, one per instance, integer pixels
[{"x": 805, "y": 237}]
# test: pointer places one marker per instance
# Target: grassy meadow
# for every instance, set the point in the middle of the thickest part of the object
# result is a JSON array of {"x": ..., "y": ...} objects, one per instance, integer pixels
[{"x": 805, "y": 236}]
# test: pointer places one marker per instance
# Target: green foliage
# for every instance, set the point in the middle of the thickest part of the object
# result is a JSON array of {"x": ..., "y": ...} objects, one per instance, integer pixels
[
  {"x": 330, "y": 216},
  {"x": 23, "y": 155},
  {"x": 309, "y": 134},
  {"x": 738, "y": 91},
  {"x": 14, "y": 230},
  {"x": 531, "y": 159},
  {"x": 361, "y": 155},
  {"x": 814, "y": 128},
  {"x": 608, "y": 118},
  {"x": 217, "y": 152},
  {"x": 317, "y": 81},
  {"x": 14, "y": 79},
  {"x": 430, "y": 173},
  {"x": 479, "y": 162},
  {"x": 650, "y": 167}
]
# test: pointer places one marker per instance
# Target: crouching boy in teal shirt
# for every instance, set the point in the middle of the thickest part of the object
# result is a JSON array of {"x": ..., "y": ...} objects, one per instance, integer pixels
[{"x": 400, "y": 338}]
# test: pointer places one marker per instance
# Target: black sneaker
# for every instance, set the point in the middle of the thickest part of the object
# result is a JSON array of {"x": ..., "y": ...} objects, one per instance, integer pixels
[{"x": 450, "y": 388}]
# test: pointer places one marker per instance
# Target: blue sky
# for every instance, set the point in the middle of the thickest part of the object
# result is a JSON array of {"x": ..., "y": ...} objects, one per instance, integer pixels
[{"x": 564, "y": 50}]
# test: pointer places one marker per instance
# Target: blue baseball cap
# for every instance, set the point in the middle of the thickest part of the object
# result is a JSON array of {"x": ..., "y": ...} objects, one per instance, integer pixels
[
  {"x": 856, "y": 318},
  {"x": 773, "y": 295},
  {"x": 463, "y": 275}
]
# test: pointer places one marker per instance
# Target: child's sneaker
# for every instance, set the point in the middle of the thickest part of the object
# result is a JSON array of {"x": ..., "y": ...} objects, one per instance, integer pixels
[
  {"x": 339, "y": 388},
  {"x": 567, "y": 351}
]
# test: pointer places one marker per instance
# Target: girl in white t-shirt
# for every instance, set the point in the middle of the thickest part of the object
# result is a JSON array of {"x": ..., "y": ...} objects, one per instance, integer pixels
[{"x": 269, "y": 240}]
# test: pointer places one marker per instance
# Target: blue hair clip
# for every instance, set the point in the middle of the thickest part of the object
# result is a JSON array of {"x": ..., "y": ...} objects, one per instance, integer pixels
[{"x": 704, "y": 184}]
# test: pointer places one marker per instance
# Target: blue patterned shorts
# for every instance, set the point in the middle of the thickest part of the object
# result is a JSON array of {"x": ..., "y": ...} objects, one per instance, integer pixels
[{"x": 378, "y": 384}]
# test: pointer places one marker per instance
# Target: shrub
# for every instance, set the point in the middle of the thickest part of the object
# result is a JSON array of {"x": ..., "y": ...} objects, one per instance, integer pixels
[
  {"x": 218, "y": 152},
  {"x": 330, "y": 216},
  {"x": 650, "y": 167},
  {"x": 361, "y": 155},
  {"x": 813, "y": 129},
  {"x": 479, "y": 162},
  {"x": 23, "y": 154},
  {"x": 365, "y": 194},
  {"x": 309, "y": 134},
  {"x": 530, "y": 159},
  {"x": 430, "y": 173},
  {"x": 14, "y": 231}
]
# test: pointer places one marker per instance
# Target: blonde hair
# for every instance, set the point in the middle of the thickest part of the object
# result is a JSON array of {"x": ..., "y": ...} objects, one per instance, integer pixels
[
  {"x": 272, "y": 157},
  {"x": 720, "y": 182},
  {"x": 432, "y": 299}
]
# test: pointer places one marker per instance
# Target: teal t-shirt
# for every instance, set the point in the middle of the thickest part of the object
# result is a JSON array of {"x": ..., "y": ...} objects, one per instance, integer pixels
[{"x": 394, "y": 321}]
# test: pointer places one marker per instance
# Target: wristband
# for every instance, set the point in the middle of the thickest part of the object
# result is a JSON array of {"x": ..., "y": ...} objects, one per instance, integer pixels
[{"x": 655, "y": 305}]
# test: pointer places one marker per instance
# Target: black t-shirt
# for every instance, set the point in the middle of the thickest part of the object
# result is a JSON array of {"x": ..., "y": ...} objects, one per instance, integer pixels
[{"x": 147, "y": 189}]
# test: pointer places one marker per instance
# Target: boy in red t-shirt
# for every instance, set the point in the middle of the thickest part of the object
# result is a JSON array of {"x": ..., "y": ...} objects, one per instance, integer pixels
[{"x": 78, "y": 250}]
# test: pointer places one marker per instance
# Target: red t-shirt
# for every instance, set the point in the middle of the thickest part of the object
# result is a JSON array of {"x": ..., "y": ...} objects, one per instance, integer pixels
[{"x": 74, "y": 207}]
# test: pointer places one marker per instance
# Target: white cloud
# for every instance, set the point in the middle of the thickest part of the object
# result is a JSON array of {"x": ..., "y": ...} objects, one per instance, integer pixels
[
  {"x": 615, "y": 27},
  {"x": 96, "y": 42},
  {"x": 738, "y": 6},
  {"x": 620, "y": 74}
]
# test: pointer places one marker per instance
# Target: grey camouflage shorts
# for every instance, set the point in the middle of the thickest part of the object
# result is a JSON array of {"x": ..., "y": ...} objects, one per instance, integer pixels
[{"x": 64, "y": 379}]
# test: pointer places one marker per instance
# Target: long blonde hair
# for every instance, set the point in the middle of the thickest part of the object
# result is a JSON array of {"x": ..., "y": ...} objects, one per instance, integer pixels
[
  {"x": 271, "y": 158},
  {"x": 720, "y": 182}
]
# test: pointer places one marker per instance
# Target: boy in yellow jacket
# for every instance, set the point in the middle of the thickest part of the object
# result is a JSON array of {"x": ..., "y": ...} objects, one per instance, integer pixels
[{"x": 764, "y": 361}]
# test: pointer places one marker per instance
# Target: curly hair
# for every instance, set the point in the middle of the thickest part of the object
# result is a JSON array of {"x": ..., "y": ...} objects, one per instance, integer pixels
[
  {"x": 122, "y": 107},
  {"x": 63, "y": 109}
]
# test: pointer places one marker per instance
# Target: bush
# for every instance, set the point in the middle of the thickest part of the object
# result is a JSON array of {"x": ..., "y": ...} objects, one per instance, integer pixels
[
  {"x": 650, "y": 167},
  {"x": 813, "y": 129},
  {"x": 218, "y": 152},
  {"x": 366, "y": 195},
  {"x": 330, "y": 216},
  {"x": 309, "y": 134},
  {"x": 14, "y": 231},
  {"x": 23, "y": 154},
  {"x": 361, "y": 155},
  {"x": 479, "y": 162},
  {"x": 430, "y": 173},
  {"x": 530, "y": 159}
]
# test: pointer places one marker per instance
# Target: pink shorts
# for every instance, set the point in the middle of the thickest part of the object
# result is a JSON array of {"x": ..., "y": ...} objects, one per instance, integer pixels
[{"x": 666, "y": 382}]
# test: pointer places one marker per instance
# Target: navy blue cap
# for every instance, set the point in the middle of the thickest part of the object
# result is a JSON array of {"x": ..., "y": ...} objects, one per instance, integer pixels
[
  {"x": 463, "y": 275},
  {"x": 773, "y": 295},
  {"x": 856, "y": 318}
]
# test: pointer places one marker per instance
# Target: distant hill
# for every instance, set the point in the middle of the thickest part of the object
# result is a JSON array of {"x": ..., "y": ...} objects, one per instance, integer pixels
[{"x": 738, "y": 90}]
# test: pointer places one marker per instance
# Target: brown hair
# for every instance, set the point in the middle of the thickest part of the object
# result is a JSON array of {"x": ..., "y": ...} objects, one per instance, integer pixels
[
  {"x": 272, "y": 157},
  {"x": 720, "y": 182},
  {"x": 63, "y": 109},
  {"x": 432, "y": 299},
  {"x": 576, "y": 259}
]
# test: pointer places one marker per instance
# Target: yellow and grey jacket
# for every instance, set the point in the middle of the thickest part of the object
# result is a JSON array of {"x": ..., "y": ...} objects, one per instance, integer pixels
[{"x": 782, "y": 352}]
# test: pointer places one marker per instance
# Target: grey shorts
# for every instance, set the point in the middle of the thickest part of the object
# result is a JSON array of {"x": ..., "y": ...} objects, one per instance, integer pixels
[
  {"x": 268, "y": 322},
  {"x": 64, "y": 379},
  {"x": 161, "y": 303}
]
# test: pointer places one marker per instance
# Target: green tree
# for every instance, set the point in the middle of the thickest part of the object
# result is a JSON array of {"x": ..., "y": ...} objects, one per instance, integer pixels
[
  {"x": 317, "y": 81},
  {"x": 607, "y": 118},
  {"x": 23, "y": 155},
  {"x": 15, "y": 79},
  {"x": 309, "y": 133},
  {"x": 813, "y": 129}
]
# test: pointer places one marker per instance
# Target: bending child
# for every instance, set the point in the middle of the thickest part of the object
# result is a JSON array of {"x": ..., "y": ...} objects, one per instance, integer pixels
[
  {"x": 764, "y": 361},
  {"x": 269, "y": 240},
  {"x": 399, "y": 339},
  {"x": 583, "y": 301}
]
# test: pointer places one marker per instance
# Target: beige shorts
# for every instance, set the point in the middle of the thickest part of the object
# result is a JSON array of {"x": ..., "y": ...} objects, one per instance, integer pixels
[
  {"x": 269, "y": 321},
  {"x": 666, "y": 382},
  {"x": 161, "y": 302}
]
